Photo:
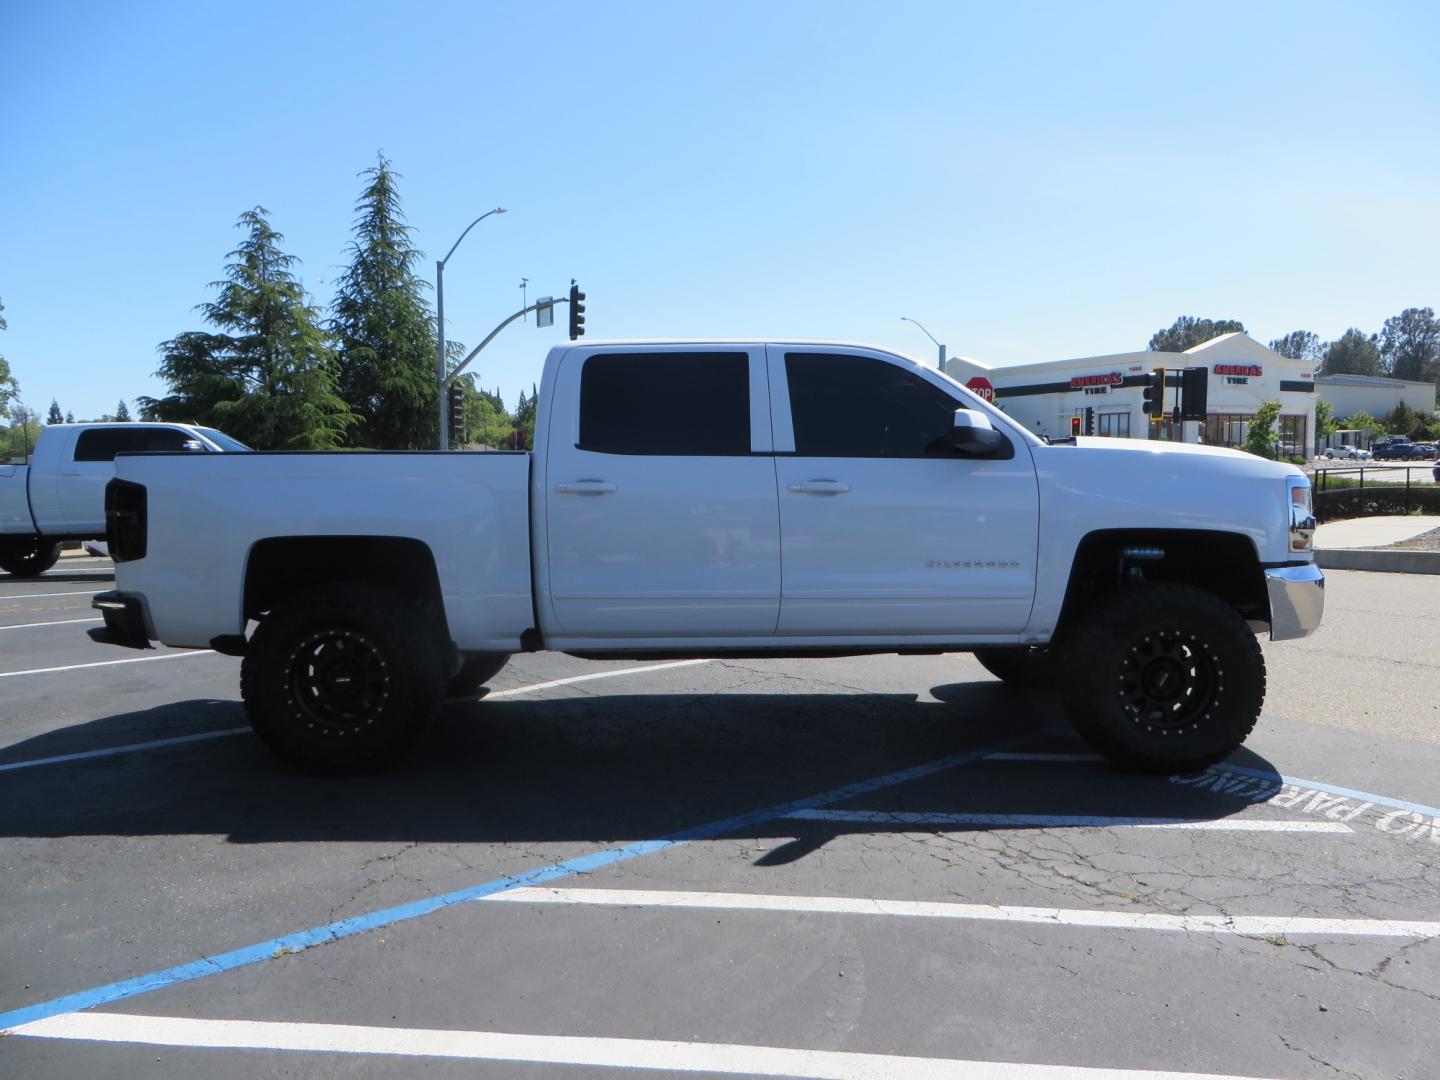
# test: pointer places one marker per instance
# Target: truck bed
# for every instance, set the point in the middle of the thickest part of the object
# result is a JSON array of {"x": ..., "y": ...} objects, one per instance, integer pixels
[{"x": 207, "y": 512}]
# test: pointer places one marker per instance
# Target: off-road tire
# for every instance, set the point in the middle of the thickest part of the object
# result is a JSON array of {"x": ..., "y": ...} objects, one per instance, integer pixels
[
  {"x": 27, "y": 556},
  {"x": 1020, "y": 666},
  {"x": 1162, "y": 677},
  {"x": 343, "y": 678},
  {"x": 476, "y": 670}
]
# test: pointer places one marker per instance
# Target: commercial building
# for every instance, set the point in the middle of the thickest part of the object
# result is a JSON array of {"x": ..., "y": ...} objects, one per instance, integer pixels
[
  {"x": 1241, "y": 375},
  {"x": 1373, "y": 394}
]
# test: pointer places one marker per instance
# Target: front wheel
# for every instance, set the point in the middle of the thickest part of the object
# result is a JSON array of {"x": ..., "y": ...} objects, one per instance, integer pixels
[
  {"x": 27, "y": 556},
  {"x": 343, "y": 678},
  {"x": 1163, "y": 677}
]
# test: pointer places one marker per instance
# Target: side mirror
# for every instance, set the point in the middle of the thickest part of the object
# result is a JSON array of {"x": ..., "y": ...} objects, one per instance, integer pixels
[{"x": 974, "y": 435}]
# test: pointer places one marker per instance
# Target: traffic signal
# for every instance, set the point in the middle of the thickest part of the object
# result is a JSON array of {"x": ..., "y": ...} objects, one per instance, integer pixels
[
  {"x": 1154, "y": 395},
  {"x": 1074, "y": 426},
  {"x": 1194, "y": 391},
  {"x": 577, "y": 312},
  {"x": 456, "y": 413},
  {"x": 1089, "y": 420}
]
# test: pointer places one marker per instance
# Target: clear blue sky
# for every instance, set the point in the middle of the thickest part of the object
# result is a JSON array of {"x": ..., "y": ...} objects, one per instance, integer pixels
[{"x": 1031, "y": 181}]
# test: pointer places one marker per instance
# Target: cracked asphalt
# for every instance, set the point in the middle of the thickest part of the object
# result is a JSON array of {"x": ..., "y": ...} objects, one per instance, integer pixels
[{"x": 116, "y": 866}]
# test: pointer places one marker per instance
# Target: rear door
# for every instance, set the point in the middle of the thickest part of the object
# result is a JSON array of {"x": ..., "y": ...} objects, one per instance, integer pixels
[
  {"x": 660, "y": 497},
  {"x": 887, "y": 530},
  {"x": 81, "y": 488}
]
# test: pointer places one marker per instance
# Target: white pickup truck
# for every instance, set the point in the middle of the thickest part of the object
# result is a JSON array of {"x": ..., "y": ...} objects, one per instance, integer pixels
[
  {"x": 60, "y": 495},
  {"x": 716, "y": 499}
]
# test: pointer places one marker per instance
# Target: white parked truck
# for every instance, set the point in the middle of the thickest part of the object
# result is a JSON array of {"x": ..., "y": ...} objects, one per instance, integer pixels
[
  {"x": 722, "y": 498},
  {"x": 60, "y": 494}
]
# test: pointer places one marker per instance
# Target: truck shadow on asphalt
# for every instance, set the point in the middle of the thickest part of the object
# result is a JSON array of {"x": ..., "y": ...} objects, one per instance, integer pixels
[{"x": 588, "y": 769}]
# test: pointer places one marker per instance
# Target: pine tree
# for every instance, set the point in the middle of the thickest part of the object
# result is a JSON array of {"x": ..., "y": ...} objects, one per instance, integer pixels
[
  {"x": 382, "y": 326},
  {"x": 122, "y": 412},
  {"x": 55, "y": 416},
  {"x": 268, "y": 376},
  {"x": 69, "y": 417},
  {"x": 9, "y": 388}
]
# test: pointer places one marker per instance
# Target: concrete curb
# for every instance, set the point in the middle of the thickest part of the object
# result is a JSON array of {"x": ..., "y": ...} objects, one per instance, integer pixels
[{"x": 1379, "y": 559}]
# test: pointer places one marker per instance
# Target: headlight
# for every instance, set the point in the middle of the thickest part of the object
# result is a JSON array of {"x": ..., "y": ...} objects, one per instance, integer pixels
[{"x": 1302, "y": 516}]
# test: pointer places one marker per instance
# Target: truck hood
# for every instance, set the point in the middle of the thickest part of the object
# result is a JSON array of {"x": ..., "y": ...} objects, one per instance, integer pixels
[
  {"x": 1155, "y": 458},
  {"x": 1135, "y": 484}
]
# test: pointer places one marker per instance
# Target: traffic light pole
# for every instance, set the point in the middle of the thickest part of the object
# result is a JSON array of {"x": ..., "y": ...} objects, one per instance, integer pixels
[{"x": 493, "y": 333}]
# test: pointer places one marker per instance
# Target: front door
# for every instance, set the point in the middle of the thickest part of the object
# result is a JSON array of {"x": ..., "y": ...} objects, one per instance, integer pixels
[
  {"x": 887, "y": 530},
  {"x": 660, "y": 500}
]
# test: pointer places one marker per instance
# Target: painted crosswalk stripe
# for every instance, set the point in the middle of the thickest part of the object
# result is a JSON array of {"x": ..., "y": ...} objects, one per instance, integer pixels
[
  {"x": 1068, "y": 821},
  {"x": 729, "y": 1059},
  {"x": 1250, "y": 925}
]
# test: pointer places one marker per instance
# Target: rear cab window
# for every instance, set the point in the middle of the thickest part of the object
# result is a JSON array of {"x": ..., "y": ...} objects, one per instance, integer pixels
[
  {"x": 102, "y": 444},
  {"x": 680, "y": 404}
]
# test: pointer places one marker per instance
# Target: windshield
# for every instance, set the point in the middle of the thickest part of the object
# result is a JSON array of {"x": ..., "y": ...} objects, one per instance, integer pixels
[{"x": 220, "y": 439}]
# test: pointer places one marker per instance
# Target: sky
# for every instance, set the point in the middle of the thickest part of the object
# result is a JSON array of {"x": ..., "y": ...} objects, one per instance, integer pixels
[{"x": 1028, "y": 180}]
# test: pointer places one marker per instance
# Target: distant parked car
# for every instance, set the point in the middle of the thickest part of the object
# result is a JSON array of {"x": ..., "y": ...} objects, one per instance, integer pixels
[
  {"x": 1347, "y": 452},
  {"x": 1394, "y": 450},
  {"x": 1425, "y": 451}
]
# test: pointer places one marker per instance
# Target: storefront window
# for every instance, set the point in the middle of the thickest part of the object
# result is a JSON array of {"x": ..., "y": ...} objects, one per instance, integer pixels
[
  {"x": 1231, "y": 429},
  {"x": 1114, "y": 424}
]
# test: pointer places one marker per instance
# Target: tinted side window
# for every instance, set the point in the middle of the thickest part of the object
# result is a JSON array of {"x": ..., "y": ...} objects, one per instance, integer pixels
[
  {"x": 856, "y": 406},
  {"x": 102, "y": 444},
  {"x": 666, "y": 403}
]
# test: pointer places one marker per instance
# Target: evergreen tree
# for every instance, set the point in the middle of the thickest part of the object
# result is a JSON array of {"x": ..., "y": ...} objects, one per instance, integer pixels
[
  {"x": 1298, "y": 345},
  {"x": 69, "y": 417},
  {"x": 267, "y": 377},
  {"x": 1410, "y": 345},
  {"x": 9, "y": 388},
  {"x": 1186, "y": 332},
  {"x": 383, "y": 330},
  {"x": 1353, "y": 353},
  {"x": 55, "y": 416},
  {"x": 122, "y": 412}
]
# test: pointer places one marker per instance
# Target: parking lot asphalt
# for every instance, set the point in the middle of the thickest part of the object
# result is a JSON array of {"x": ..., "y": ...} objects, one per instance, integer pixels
[{"x": 873, "y": 867}]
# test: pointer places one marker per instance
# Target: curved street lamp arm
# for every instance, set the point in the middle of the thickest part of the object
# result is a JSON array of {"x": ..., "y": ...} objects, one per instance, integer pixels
[
  {"x": 482, "y": 217},
  {"x": 906, "y": 318}
]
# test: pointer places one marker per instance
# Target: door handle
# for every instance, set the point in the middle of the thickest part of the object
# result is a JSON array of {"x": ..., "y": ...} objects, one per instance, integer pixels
[
  {"x": 820, "y": 487},
  {"x": 71, "y": 472},
  {"x": 585, "y": 487}
]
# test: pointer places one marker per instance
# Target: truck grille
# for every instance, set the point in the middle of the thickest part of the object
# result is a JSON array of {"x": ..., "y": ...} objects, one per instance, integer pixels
[{"x": 125, "y": 524}]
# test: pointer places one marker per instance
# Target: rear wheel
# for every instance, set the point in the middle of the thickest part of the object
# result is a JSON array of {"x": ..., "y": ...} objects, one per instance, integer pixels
[
  {"x": 343, "y": 678},
  {"x": 1163, "y": 677},
  {"x": 27, "y": 556}
]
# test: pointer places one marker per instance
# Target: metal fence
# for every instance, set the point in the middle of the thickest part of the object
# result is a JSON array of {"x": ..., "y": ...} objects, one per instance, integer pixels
[{"x": 1349, "y": 493}]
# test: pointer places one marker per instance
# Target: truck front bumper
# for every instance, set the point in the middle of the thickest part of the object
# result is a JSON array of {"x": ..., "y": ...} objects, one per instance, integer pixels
[
  {"x": 1297, "y": 600},
  {"x": 124, "y": 621}
]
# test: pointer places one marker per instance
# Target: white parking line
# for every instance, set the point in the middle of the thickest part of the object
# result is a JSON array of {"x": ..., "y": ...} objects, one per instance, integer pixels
[
  {"x": 593, "y": 675},
  {"x": 132, "y": 747},
  {"x": 127, "y": 749},
  {"x": 1069, "y": 821},
  {"x": 106, "y": 663},
  {"x": 1253, "y": 925},
  {"x": 44, "y": 595},
  {"x": 729, "y": 1059},
  {"x": 57, "y": 622}
]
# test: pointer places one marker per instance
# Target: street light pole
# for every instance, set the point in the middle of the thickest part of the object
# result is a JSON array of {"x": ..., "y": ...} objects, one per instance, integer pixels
[
  {"x": 440, "y": 320},
  {"x": 906, "y": 318}
]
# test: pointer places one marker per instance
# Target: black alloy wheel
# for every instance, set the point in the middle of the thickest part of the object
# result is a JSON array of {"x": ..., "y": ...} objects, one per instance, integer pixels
[
  {"x": 27, "y": 556},
  {"x": 1162, "y": 677},
  {"x": 344, "y": 678}
]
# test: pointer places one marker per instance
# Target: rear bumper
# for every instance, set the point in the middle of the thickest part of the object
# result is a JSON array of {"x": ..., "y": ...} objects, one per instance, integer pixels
[
  {"x": 124, "y": 621},
  {"x": 1297, "y": 600}
]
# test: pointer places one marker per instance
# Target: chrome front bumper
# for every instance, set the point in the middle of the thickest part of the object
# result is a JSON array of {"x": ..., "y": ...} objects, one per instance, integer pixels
[{"x": 1297, "y": 600}]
